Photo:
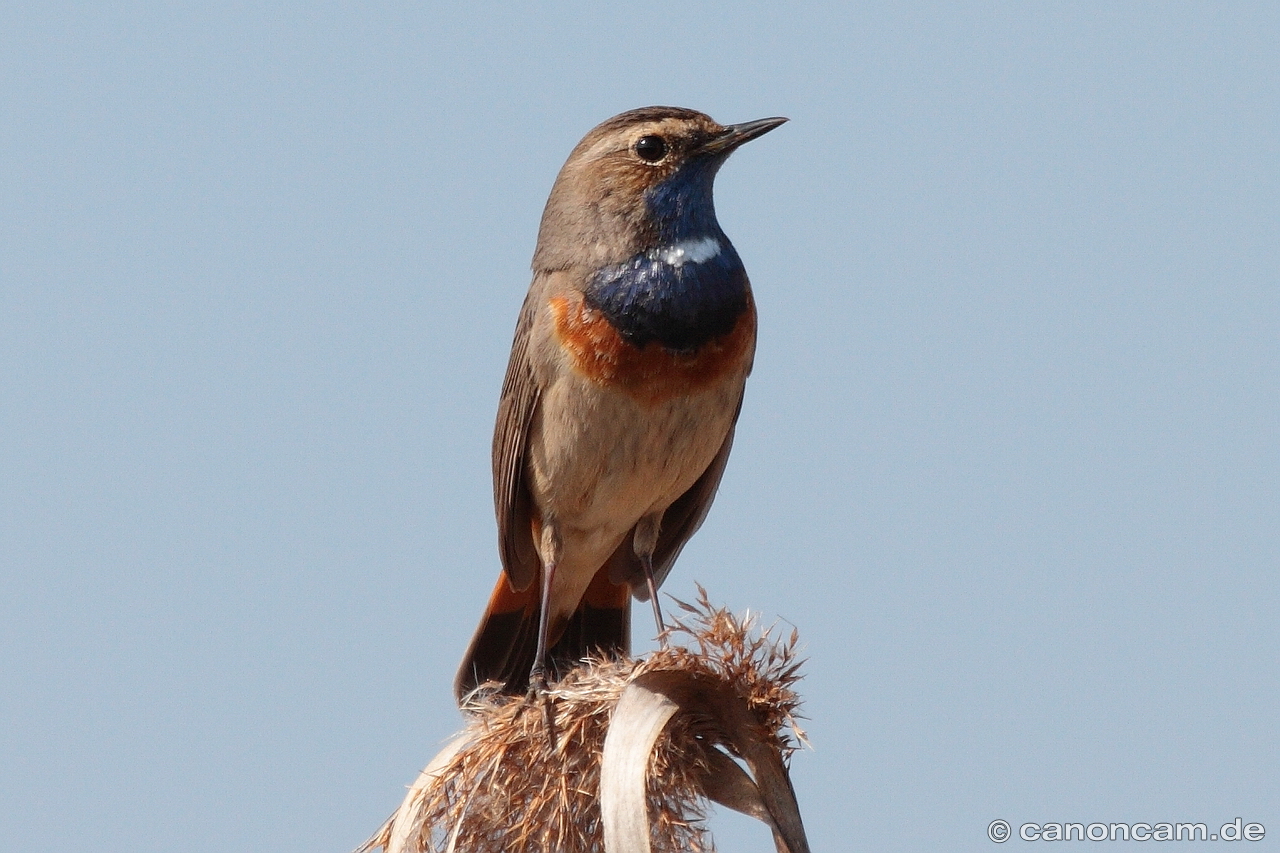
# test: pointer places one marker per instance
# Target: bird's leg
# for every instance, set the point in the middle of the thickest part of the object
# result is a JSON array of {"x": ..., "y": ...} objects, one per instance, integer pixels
[
  {"x": 645, "y": 543},
  {"x": 538, "y": 675},
  {"x": 550, "y": 552}
]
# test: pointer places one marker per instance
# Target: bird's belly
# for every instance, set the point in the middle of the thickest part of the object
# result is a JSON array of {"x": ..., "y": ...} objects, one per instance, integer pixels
[{"x": 601, "y": 460}]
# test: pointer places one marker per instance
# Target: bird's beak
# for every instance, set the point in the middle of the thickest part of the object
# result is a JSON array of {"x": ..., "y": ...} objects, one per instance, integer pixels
[{"x": 736, "y": 134}]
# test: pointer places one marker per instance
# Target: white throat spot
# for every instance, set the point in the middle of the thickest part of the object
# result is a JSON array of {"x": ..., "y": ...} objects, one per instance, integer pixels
[{"x": 693, "y": 251}]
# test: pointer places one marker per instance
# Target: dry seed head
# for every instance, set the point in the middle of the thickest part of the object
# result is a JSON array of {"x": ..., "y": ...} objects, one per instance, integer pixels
[{"x": 508, "y": 787}]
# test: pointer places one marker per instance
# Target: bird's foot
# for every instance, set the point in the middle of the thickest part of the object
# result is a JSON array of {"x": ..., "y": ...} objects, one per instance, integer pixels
[{"x": 538, "y": 693}]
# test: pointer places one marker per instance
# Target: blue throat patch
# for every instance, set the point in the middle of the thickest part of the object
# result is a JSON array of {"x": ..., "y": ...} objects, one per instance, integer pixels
[{"x": 679, "y": 303}]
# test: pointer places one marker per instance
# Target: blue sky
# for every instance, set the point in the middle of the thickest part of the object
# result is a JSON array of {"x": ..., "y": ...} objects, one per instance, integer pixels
[{"x": 1008, "y": 460}]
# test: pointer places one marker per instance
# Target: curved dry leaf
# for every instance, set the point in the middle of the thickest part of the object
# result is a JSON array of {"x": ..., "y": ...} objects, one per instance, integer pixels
[
  {"x": 638, "y": 720},
  {"x": 406, "y": 821},
  {"x": 726, "y": 783},
  {"x": 646, "y": 707}
]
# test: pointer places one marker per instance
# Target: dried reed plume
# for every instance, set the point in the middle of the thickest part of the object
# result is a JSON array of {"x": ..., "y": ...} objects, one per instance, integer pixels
[{"x": 640, "y": 746}]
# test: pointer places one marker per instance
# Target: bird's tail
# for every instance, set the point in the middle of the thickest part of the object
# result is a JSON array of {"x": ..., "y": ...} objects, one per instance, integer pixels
[{"x": 506, "y": 642}]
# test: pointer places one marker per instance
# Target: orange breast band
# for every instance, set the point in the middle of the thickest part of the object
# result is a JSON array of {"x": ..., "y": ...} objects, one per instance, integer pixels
[{"x": 651, "y": 374}]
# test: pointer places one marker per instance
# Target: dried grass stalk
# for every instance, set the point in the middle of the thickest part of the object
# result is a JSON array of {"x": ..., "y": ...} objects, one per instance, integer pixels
[{"x": 640, "y": 748}]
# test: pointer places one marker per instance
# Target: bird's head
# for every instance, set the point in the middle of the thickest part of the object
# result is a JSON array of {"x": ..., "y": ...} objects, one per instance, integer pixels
[{"x": 637, "y": 181}]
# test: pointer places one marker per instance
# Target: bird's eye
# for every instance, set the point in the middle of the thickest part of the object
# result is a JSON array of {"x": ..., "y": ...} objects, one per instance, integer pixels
[{"x": 651, "y": 149}]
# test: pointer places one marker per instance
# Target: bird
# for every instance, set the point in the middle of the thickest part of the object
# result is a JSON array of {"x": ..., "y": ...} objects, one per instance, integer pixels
[{"x": 622, "y": 391}]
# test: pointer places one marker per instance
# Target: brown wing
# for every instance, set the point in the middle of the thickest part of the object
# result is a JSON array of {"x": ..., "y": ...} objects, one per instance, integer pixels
[
  {"x": 511, "y": 500},
  {"x": 681, "y": 520}
]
